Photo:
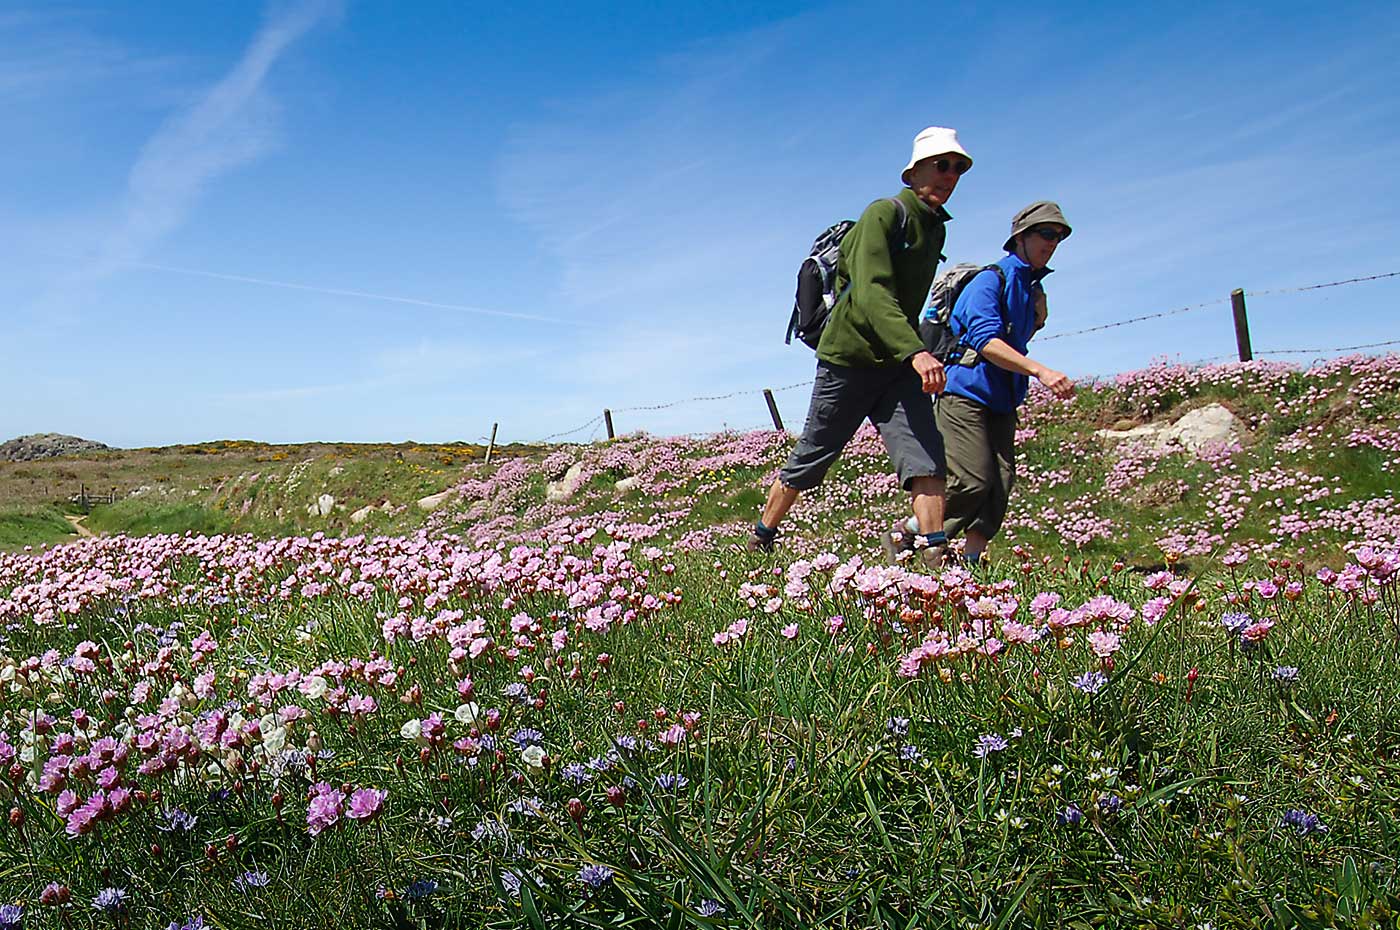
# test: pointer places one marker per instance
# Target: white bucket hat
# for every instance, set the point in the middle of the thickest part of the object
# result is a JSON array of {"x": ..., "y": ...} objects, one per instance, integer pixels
[{"x": 935, "y": 140}]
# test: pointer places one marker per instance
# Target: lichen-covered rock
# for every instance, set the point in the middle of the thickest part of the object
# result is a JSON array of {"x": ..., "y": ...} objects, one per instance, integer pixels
[
  {"x": 564, "y": 488},
  {"x": 434, "y": 501},
  {"x": 1210, "y": 425},
  {"x": 45, "y": 446}
]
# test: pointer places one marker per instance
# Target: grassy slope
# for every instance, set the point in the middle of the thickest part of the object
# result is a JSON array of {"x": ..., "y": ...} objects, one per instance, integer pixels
[
  {"x": 32, "y": 525},
  {"x": 1067, "y": 494}
]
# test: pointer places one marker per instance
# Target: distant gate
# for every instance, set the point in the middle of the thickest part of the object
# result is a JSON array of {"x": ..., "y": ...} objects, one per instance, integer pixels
[{"x": 85, "y": 498}]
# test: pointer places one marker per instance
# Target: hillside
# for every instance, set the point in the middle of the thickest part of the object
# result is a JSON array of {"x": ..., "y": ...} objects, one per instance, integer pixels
[{"x": 1310, "y": 467}]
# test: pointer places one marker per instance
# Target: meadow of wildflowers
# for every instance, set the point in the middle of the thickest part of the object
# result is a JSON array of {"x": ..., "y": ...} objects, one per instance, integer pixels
[{"x": 601, "y": 712}]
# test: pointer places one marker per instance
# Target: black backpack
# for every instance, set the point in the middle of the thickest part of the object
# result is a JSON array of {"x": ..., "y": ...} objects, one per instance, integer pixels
[
  {"x": 936, "y": 322},
  {"x": 816, "y": 279}
]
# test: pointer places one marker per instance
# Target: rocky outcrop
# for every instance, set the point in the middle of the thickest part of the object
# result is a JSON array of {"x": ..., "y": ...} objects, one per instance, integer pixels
[
  {"x": 1210, "y": 425},
  {"x": 434, "y": 501},
  {"x": 46, "y": 446},
  {"x": 321, "y": 506},
  {"x": 564, "y": 488}
]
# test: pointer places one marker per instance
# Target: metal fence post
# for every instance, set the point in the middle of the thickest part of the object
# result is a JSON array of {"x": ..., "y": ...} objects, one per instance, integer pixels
[
  {"x": 773, "y": 410},
  {"x": 1241, "y": 325}
]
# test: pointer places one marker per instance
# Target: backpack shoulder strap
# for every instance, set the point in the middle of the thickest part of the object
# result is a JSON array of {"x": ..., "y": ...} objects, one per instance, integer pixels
[
  {"x": 1001, "y": 296},
  {"x": 903, "y": 220}
]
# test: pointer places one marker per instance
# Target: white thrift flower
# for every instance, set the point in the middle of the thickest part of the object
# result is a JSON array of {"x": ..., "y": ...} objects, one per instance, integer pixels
[
  {"x": 274, "y": 740},
  {"x": 467, "y": 713}
]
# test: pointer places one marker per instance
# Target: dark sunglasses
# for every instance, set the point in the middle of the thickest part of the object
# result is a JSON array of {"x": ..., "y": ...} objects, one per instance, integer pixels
[
  {"x": 957, "y": 166},
  {"x": 1050, "y": 234}
]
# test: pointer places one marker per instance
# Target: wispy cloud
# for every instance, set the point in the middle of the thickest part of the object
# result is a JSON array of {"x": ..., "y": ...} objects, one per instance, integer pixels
[
  {"x": 47, "y": 51},
  {"x": 429, "y": 360},
  {"x": 633, "y": 188},
  {"x": 342, "y": 292},
  {"x": 673, "y": 205},
  {"x": 301, "y": 391},
  {"x": 229, "y": 126}
]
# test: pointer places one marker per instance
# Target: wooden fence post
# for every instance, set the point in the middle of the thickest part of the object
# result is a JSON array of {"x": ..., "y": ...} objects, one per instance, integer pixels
[
  {"x": 1241, "y": 325},
  {"x": 492, "y": 447},
  {"x": 607, "y": 419},
  {"x": 773, "y": 410}
]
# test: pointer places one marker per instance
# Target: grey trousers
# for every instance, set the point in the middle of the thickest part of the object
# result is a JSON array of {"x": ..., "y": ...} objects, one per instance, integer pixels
[
  {"x": 842, "y": 398},
  {"x": 981, "y": 464}
]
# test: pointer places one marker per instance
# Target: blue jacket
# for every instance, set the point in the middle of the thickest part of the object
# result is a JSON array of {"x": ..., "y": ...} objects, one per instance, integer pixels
[{"x": 978, "y": 319}]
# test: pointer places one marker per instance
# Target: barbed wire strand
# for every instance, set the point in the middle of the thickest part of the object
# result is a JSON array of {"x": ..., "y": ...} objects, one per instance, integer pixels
[
  {"x": 597, "y": 422},
  {"x": 1131, "y": 320},
  {"x": 576, "y": 429},
  {"x": 690, "y": 400},
  {"x": 1318, "y": 352},
  {"x": 1223, "y": 300},
  {"x": 1318, "y": 287},
  {"x": 1368, "y": 345}
]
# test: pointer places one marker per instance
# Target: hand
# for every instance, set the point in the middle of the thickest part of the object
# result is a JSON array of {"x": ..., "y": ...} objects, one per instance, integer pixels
[
  {"x": 1041, "y": 311},
  {"x": 930, "y": 371},
  {"x": 1057, "y": 381}
]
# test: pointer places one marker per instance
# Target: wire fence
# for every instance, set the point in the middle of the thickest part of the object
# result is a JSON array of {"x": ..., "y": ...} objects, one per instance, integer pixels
[{"x": 603, "y": 422}]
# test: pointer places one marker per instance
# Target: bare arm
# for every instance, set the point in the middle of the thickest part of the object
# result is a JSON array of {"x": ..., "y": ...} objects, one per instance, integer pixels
[{"x": 1002, "y": 355}]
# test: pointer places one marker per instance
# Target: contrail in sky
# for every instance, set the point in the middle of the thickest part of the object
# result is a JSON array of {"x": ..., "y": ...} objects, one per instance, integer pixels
[{"x": 340, "y": 292}]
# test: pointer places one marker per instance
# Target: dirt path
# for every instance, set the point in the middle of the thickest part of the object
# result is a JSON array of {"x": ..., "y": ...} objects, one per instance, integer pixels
[{"x": 77, "y": 524}]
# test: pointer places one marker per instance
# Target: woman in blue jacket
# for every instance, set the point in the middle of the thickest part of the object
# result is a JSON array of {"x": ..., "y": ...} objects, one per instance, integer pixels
[{"x": 977, "y": 412}]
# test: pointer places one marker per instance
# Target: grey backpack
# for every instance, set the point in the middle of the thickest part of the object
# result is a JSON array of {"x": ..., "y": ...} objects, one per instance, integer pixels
[
  {"x": 816, "y": 279},
  {"x": 936, "y": 322}
]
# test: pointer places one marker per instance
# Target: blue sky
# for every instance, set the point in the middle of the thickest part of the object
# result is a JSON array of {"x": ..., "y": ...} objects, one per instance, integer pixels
[{"x": 524, "y": 215}]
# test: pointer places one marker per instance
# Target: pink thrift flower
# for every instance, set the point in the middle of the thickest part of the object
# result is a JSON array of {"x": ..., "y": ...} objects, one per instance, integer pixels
[
  {"x": 1258, "y": 631},
  {"x": 790, "y": 631},
  {"x": 1018, "y": 633},
  {"x": 119, "y": 799},
  {"x": 327, "y": 804},
  {"x": 366, "y": 803},
  {"x": 1155, "y": 609},
  {"x": 1104, "y": 644},
  {"x": 66, "y": 803},
  {"x": 1043, "y": 603}
]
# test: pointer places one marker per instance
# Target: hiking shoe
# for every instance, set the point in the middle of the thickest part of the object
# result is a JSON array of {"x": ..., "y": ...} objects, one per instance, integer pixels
[
  {"x": 896, "y": 543},
  {"x": 757, "y": 544},
  {"x": 933, "y": 558}
]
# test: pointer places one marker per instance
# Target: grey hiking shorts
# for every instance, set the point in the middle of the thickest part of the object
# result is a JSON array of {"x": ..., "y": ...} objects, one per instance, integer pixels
[{"x": 842, "y": 398}]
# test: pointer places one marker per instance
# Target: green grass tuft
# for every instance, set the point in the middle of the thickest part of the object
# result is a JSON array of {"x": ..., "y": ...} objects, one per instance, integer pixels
[{"x": 136, "y": 517}]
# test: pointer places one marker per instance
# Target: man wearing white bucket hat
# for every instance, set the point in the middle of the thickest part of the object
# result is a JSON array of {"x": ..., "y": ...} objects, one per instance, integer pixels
[{"x": 871, "y": 361}]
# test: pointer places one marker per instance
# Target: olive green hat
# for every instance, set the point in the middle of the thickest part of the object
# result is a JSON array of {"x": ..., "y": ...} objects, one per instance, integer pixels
[{"x": 1042, "y": 211}]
